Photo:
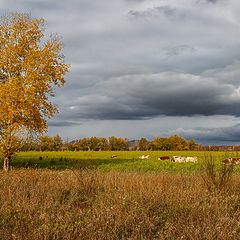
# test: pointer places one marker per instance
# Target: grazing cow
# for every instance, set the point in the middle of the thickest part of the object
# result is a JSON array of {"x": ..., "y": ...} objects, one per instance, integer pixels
[
  {"x": 183, "y": 159},
  {"x": 236, "y": 160},
  {"x": 144, "y": 157},
  {"x": 191, "y": 159},
  {"x": 231, "y": 161},
  {"x": 114, "y": 156},
  {"x": 178, "y": 159},
  {"x": 164, "y": 158}
]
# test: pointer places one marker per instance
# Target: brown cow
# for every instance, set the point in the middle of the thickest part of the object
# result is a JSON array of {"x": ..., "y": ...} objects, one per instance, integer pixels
[
  {"x": 164, "y": 158},
  {"x": 231, "y": 161}
]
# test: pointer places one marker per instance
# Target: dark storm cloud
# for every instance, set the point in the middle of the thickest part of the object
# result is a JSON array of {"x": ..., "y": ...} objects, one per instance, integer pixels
[{"x": 151, "y": 95}]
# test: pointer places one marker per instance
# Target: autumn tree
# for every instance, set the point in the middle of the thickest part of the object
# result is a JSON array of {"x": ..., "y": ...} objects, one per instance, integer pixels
[
  {"x": 177, "y": 143},
  {"x": 30, "y": 68},
  {"x": 57, "y": 143},
  {"x": 102, "y": 144},
  {"x": 161, "y": 144},
  {"x": 30, "y": 144},
  {"x": 143, "y": 144},
  {"x": 191, "y": 144},
  {"x": 84, "y": 144},
  {"x": 118, "y": 144},
  {"x": 46, "y": 143}
]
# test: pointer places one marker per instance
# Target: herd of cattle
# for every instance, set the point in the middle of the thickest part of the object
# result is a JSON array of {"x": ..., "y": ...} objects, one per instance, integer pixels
[
  {"x": 173, "y": 159},
  {"x": 180, "y": 159}
]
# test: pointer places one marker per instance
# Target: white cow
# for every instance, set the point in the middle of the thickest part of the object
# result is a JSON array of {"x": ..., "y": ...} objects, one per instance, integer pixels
[
  {"x": 144, "y": 157},
  {"x": 178, "y": 159},
  {"x": 184, "y": 159},
  {"x": 191, "y": 159}
]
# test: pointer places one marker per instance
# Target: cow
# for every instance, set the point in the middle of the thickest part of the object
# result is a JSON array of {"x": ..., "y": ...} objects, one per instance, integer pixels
[
  {"x": 164, "y": 158},
  {"x": 178, "y": 159},
  {"x": 236, "y": 160},
  {"x": 191, "y": 159},
  {"x": 144, "y": 157},
  {"x": 114, "y": 156},
  {"x": 184, "y": 159},
  {"x": 231, "y": 161}
]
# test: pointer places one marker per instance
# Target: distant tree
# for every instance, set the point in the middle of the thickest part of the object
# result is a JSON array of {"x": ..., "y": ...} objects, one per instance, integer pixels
[
  {"x": 57, "y": 143},
  {"x": 93, "y": 144},
  {"x": 84, "y": 144},
  {"x": 177, "y": 143},
  {"x": 65, "y": 144},
  {"x": 72, "y": 146},
  {"x": 30, "y": 144},
  {"x": 143, "y": 144},
  {"x": 118, "y": 144},
  {"x": 112, "y": 143},
  {"x": 191, "y": 144},
  {"x": 46, "y": 143},
  {"x": 161, "y": 144},
  {"x": 29, "y": 68},
  {"x": 102, "y": 144}
]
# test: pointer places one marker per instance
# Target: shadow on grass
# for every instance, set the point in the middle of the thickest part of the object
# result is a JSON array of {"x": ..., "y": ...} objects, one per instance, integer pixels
[{"x": 65, "y": 163}]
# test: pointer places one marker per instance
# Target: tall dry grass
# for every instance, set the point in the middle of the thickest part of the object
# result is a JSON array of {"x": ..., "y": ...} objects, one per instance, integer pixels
[{"x": 41, "y": 204}]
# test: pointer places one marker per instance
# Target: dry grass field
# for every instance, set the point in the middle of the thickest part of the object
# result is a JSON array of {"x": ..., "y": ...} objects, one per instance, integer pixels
[{"x": 90, "y": 204}]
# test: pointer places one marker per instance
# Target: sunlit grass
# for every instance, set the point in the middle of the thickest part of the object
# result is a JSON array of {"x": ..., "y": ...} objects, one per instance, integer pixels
[{"x": 126, "y": 161}]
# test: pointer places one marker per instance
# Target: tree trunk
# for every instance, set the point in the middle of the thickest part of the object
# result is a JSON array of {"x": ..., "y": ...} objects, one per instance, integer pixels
[{"x": 6, "y": 164}]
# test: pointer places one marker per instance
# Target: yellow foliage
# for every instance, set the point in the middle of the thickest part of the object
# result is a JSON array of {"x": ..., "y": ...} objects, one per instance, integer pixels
[{"x": 29, "y": 69}]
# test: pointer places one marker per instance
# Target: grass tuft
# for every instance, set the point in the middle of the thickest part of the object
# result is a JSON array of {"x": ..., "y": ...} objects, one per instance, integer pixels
[{"x": 217, "y": 177}]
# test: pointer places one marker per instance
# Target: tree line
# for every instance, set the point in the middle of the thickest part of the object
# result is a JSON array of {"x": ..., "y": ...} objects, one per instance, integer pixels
[{"x": 56, "y": 143}]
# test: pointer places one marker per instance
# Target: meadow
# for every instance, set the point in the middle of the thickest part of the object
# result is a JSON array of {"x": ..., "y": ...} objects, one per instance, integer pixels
[
  {"x": 88, "y": 195},
  {"x": 126, "y": 160}
]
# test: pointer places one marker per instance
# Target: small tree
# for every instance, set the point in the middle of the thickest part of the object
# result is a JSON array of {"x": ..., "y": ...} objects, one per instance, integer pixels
[{"x": 29, "y": 68}]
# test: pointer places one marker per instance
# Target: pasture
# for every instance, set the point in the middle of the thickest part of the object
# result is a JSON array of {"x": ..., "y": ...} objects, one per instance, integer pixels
[{"x": 125, "y": 161}]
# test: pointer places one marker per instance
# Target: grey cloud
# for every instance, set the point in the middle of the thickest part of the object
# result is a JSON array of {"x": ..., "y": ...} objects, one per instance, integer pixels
[
  {"x": 215, "y": 136},
  {"x": 166, "y": 11},
  {"x": 210, "y": 1},
  {"x": 62, "y": 123},
  {"x": 177, "y": 50},
  {"x": 213, "y": 1},
  {"x": 150, "y": 95}
]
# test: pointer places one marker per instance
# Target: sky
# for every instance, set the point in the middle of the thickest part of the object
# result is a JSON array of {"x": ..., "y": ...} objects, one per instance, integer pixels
[{"x": 145, "y": 68}]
